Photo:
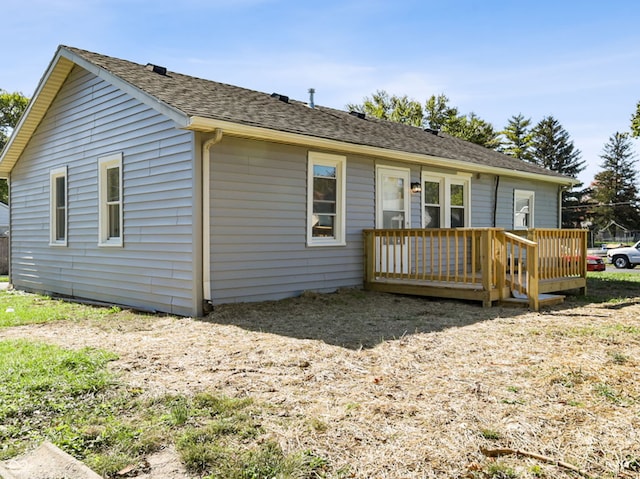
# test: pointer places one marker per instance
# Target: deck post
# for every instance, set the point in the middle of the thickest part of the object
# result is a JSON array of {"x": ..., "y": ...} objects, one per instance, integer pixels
[
  {"x": 533, "y": 277},
  {"x": 486, "y": 248},
  {"x": 500, "y": 257},
  {"x": 583, "y": 262},
  {"x": 369, "y": 257}
]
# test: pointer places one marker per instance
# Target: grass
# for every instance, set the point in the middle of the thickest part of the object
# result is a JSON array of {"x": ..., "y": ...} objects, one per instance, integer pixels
[
  {"x": 71, "y": 399},
  {"x": 609, "y": 287},
  {"x": 18, "y": 309}
]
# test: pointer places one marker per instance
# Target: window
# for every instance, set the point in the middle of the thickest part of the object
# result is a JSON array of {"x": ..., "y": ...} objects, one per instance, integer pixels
[
  {"x": 445, "y": 200},
  {"x": 110, "y": 198},
  {"x": 325, "y": 200},
  {"x": 58, "y": 204},
  {"x": 523, "y": 206}
]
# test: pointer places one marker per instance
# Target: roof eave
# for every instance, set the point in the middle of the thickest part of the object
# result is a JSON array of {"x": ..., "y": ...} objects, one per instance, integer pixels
[
  {"x": 203, "y": 124},
  {"x": 46, "y": 91}
]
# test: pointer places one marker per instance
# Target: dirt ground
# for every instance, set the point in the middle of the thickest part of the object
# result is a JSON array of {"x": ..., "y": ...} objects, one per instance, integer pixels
[{"x": 407, "y": 387}]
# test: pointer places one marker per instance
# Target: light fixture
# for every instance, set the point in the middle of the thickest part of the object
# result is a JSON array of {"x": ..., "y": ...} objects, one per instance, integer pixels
[{"x": 415, "y": 187}]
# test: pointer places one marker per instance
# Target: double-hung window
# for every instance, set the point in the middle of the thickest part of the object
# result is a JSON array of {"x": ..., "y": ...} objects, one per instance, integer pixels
[
  {"x": 58, "y": 205},
  {"x": 110, "y": 200},
  {"x": 325, "y": 200},
  {"x": 445, "y": 200},
  {"x": 523, "y": 209}
]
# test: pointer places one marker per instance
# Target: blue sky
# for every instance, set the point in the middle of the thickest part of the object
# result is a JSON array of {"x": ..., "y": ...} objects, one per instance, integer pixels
[{"x": 578, "y": 60}]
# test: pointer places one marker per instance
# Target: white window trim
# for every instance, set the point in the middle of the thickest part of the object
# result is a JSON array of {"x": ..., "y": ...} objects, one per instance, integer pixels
[
  {"x": 105, "y": 163},
  {"x": 53, "y": 224},
  {"x": 446, "y": 180},
  {"x": 340, "y": 163},
  {"x": 531, "y": 196}
]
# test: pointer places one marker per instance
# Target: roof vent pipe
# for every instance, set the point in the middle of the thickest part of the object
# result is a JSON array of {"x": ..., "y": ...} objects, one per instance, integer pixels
[{"x": 311, "y": 102}]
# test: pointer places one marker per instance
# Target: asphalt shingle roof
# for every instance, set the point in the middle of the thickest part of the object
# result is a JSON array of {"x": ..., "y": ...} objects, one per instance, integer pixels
[{"x": 209, "y": 99}]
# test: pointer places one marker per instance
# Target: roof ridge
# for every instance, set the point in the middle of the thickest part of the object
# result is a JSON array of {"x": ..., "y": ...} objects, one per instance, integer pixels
[{"x": 190, "y": 97}]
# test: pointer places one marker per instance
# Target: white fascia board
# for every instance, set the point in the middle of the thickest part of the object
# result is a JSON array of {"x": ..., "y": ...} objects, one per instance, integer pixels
[{"x": 259, "y": 133}]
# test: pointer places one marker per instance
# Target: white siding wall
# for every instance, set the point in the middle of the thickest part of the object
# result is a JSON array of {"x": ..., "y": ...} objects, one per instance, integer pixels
[
  {"x": 89, "y": 119},
  {"x": 258, "y": 224}
]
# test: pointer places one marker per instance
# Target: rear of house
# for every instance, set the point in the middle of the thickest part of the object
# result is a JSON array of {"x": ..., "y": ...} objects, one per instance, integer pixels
[{"x": 138, "y": 186}]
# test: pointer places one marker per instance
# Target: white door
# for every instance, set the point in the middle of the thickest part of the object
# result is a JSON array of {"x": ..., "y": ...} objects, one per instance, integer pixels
[{"x": 392, "y": 212}]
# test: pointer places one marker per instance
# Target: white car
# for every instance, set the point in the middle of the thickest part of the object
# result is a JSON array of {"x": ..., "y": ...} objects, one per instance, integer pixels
[{"x": 627, "y": 257}]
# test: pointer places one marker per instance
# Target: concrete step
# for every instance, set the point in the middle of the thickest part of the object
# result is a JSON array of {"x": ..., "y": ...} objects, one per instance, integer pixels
[{"x": 46, "y": 462}]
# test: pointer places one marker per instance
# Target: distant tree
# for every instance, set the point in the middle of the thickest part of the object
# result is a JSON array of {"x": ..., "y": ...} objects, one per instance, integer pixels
[
  {"x": 518, "y": 138},
  {"x": 437, "y": 115},
  {"x": 578, "y": 209},
  {"x": 552, "y": 148},
  {"x": 399, "y": 109},
  {"x": 12, "y": 105},
  {"x": 615, "y": 188},
  {"x": 474, "y": 129},
  {"x": 438, "y": 112},
  {"x": 635, "y": 122}
]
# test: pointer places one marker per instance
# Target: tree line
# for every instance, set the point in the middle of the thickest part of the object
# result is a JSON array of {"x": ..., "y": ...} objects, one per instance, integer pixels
[{"x": 610, "y": 201}]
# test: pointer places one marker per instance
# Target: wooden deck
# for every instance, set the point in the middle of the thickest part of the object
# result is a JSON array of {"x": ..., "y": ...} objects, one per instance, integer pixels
[{"x": 480, "y": 264}]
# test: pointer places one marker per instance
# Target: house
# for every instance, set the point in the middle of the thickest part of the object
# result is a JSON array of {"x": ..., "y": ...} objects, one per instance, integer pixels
[{"x": 136, "y": 185}]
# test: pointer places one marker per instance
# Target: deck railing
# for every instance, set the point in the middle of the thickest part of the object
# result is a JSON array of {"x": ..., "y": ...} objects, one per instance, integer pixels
[
  {"x": 443, "y": 255},
  {"x": 520, "y": 268},
  {"x": 485, "y": 263},
  {"x": 562, "y": 253}
]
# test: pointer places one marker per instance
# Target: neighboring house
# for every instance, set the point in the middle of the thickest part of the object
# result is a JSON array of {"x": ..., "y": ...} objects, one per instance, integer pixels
[
  {"x": 4, "y": 219},
  {"x": 140, "y": 186},
  {"x": 4, "y": 240}
]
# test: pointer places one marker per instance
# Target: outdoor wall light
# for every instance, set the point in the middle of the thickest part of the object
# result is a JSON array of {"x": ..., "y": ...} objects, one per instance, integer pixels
[{"x": 415, "y": 187}]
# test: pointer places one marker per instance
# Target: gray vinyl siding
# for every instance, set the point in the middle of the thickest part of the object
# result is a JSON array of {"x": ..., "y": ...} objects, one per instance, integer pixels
[
  {"x": 545, "y": 208},
  {"x": 89, "y": 119},
  {"x": 258, "y": 224},
  {"x": 482, "y": 201}
]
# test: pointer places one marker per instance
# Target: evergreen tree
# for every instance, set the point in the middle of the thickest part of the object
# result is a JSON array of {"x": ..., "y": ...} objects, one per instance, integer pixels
[
  {"x": 552, "y": 149},
  {"x": 635, "y": 122},
  {"x": 615, "y": 187},
  {"x": 518, "y": 138}
]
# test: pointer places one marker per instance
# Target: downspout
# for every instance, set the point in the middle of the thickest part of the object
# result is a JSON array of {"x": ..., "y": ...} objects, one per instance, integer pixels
[
  {"x": 206, "y": 216},
  {"x": 560, "y": 206},
  {"x": 495, "y": 202}
]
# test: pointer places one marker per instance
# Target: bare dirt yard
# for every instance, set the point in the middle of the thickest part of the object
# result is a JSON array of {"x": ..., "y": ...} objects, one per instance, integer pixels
[{"x": 390, "y": 386}]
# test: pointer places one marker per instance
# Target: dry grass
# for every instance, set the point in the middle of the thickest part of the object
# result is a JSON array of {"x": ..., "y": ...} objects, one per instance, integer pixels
[{"x": 398, "y": 387}]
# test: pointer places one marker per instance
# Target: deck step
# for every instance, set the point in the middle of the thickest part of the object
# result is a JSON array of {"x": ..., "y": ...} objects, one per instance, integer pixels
[{"x": 521, "y": 300}]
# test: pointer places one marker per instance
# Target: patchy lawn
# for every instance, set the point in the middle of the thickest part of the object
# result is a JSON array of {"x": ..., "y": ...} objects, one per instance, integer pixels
[{"x": 357, "y": 384}]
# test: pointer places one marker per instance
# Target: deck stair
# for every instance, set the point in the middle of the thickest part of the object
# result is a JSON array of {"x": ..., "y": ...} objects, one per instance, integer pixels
[{"x": 521, "y": 300}]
